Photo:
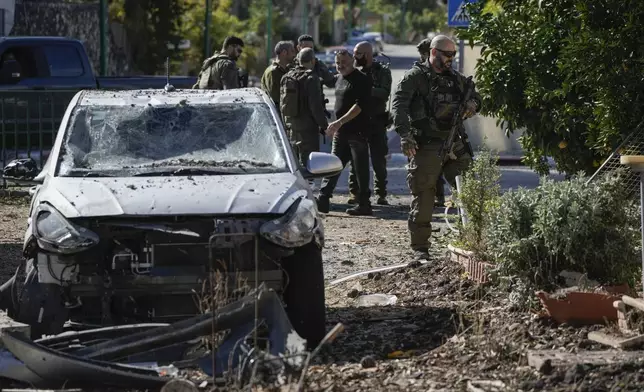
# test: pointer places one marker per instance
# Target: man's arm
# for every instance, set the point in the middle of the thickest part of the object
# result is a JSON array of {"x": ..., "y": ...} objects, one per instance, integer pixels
[
  {"x": 267, "y": 81},
  {"x": 363, "y": 89},
  {"x": 400, "y": 103},
  {"x": 316, "y": 106},
  {"x": 327, "y": 78},
  {"x": 384, "y": 90},
  {"x": 229, "y": 76}
]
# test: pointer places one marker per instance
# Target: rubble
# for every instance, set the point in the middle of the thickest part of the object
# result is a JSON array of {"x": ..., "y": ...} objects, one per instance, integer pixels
[{"x": 149, "y": 356}]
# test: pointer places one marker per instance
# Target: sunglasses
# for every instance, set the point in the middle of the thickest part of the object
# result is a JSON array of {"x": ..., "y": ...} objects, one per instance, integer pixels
[{"x": 451, "y": 53}]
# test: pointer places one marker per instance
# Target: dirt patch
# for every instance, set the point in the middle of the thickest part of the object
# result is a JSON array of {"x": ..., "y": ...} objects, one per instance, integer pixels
[{"x": 13, "y": 223}]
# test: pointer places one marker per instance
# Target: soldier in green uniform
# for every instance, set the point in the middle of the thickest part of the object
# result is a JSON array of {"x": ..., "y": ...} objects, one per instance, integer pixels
[
  {"x": 423, "y": 106},
  {"x": 270, "y": 82},
  {"x": 424, "y": 47},
  {"x": 301, "y": 106},
  {"x": 220, "y": 71},
  {"x": 320, "y": 69},
  {"x": 380, "y": 74}
]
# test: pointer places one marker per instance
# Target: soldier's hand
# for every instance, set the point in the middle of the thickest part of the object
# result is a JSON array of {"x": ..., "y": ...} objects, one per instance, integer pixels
[
  {"x": 408, "y": 146},
  {"x": 333, "y": 128},
  {"x": 470, "y": 108}
]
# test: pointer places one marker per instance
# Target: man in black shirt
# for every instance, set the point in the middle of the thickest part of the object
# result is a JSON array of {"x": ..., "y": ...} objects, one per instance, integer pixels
[{"x": 352, "y": 97}]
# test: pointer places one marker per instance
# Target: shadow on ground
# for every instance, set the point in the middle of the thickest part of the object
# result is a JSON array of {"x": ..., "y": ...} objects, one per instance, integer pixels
[
  {"x": 381, "y": 331},
  {"x": 10, "y": 259}
]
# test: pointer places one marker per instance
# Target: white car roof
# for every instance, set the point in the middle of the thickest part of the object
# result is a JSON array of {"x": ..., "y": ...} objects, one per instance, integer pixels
[{"x": 161, "y": 97}]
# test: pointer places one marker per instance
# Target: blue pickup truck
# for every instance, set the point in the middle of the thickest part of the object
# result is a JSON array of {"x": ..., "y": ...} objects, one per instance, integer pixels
[{"x": 38, "y": 78}]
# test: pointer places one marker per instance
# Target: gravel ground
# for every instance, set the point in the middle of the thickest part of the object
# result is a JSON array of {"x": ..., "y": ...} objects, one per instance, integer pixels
[{"x": 441, "y": 333}]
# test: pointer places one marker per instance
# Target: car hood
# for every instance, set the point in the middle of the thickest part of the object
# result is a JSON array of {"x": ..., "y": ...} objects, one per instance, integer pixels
[{"x": 191, "y": 195}]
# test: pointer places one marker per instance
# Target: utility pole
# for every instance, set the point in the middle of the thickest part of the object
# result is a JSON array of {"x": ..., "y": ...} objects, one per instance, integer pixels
[
  {"x": 206, "y": 30},
  {"x": 333, "y": 22},
  {"x": 349, "y": 18},
  {"x": 305, "y": 16},
  {"x": 269, "y": 32},
  {"x": 363, "y": 12},
  {"x": 402, "y": 21},
  {"x": 102, "y": 14}
]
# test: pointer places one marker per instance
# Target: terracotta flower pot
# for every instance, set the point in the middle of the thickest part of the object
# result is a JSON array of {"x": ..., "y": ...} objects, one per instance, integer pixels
[{"x": 580, "y": 308}]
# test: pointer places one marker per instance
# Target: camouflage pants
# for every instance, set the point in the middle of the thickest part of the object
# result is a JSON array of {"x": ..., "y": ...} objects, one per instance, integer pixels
[
  {"x": 305, "y": 142},
  {"x": 423, "y": 172},
  {"x": 378, "y": 150}
]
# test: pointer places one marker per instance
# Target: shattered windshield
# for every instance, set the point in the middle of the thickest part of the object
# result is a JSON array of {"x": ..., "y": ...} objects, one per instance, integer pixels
[{"x": 179, "y": 139}]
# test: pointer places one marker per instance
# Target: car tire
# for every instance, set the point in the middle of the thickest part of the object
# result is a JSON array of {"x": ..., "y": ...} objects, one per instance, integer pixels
[{"x": 304, "y": 293}]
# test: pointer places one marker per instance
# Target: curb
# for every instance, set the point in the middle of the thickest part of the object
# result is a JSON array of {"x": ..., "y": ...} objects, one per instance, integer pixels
[{"x": 12, "y": 193}]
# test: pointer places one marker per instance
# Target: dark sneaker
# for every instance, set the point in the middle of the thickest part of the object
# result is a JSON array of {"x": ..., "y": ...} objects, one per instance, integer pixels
[
  {"x": 421, "y": 254},
  {"x": 352, "y": 200},
  {"x": 382, "y": 201},
  {"x": 360, "y": 211},
  {"x": 323, "y": 204}
]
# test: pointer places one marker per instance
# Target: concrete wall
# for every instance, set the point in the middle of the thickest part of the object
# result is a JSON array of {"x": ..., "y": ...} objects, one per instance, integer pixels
[
  {"x": 78, "y": 21},
  {"x": 481, "y": 126}
]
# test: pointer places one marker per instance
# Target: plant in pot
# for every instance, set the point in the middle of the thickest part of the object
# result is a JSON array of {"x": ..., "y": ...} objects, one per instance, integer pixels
[{"x": 478, "y": 197}]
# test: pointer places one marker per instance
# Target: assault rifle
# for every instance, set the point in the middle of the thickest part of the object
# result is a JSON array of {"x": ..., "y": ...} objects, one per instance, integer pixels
[{"x": 457, "y": 122}]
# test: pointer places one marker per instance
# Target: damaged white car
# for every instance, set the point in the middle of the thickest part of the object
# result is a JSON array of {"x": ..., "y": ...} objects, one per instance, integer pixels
[{"x": 146, "y": 193}]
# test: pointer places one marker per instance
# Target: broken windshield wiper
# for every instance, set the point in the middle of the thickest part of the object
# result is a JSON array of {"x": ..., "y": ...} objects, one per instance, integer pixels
[{"x": 184, "y": 171}]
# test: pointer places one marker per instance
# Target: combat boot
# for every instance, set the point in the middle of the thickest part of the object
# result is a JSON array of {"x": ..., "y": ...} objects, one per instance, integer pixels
[
  {"x": 324, "y": 204},
  {"x": 382, "y": 201},
  {"x": 360, "y": 210},
  {"x": 421, "y": 254}
]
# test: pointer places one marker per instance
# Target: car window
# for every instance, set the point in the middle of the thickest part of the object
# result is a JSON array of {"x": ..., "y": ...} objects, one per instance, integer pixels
[
  {"x": 125, "y": 141},
  {"x": 63, "y": 61}
]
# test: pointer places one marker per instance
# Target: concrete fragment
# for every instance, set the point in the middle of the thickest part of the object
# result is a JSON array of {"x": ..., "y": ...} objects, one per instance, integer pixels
[{"x": 536, "y": 358}]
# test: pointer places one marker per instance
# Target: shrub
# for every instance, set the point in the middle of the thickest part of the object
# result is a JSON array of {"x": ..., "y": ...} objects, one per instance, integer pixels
[
  {"x": 479, "y": 195},
  {"x": 568, "y": 225}
]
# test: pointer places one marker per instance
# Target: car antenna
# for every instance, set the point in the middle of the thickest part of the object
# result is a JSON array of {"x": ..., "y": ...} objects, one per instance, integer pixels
[{"x": 168, "y": 87}]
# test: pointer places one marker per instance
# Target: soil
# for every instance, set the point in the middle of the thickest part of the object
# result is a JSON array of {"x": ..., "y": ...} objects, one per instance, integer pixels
[{"x": 441, "y": 331}]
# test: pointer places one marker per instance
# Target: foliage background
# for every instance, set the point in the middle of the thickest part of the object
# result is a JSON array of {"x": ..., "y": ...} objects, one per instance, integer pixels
[
  {"x": 151, "y": 24},
  {"x": 567, "y": 71}
]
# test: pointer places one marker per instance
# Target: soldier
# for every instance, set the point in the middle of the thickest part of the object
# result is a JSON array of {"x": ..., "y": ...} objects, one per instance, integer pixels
[
  {"x": 301, "y": 106},
  {"x": 326, "y": 77},
  {"x": 352, "y": 106},
  {"x": 423, "y": 106},
  {"x": 285, "y": 53},
  {"x": 220, "y": 72},
  {"x": 424, "y": 47},
  {"x": 377, "y": 138}
]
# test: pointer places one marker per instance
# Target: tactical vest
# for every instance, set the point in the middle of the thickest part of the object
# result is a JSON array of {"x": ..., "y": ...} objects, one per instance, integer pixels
[
  {"x": 292, "y": 94},
  {"x": 205, "y": 75},
  {"x": 445, "y": 93}
]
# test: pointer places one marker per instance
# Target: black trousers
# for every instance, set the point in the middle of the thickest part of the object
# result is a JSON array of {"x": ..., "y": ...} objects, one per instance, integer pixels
[
  {"x": 378, "y": 149},
  {"x": 350, "y": 147}
]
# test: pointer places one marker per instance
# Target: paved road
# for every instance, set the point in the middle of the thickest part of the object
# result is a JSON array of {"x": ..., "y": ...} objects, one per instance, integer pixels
[{"x": 402, "y": 57}]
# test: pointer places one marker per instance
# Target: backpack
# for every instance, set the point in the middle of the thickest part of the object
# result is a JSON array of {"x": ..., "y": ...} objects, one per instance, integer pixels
[
  {"x": 292, "y": 91},
  {"x": 203, "y": 80}
]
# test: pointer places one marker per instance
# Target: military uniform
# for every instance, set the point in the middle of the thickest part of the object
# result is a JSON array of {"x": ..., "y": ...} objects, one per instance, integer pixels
[
  {"x": 218, "y": 72},
  {"x": 305, "y": 126},
  {"x": 377, "y": 139},
  {"x": 271, "y": 81},
  {"x": 423, "y": 106}
]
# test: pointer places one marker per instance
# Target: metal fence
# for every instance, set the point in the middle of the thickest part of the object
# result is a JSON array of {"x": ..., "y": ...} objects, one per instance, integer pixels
[
  {"x": 29, "y": 123},
  {"x": 632, "y": 145}
]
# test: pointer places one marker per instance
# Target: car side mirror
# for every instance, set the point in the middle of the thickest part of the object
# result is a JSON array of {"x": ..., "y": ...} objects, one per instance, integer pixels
[
  {"x": 322, "y": 164},
  {"x": 22, "y": 170}
]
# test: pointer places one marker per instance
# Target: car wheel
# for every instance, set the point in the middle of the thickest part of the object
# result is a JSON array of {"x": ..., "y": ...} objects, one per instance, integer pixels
[{"x": 304, "y": 293}]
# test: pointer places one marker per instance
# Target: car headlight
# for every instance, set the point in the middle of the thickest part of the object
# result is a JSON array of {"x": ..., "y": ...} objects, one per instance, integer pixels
[
  {"x": 296, "y": 228},
  {"x": 54, "y": 233}
]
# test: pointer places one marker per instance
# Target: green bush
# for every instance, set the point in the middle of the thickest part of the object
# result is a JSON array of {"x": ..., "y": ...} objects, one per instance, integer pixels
[
  {"x": 566, "y": 225},
  {"x": 479, "y": 196}
]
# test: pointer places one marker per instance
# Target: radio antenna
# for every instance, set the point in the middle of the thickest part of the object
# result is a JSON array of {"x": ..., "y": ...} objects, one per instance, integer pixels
[{"x": 168, "y": 87}]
